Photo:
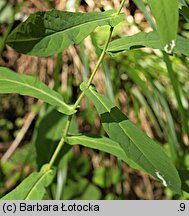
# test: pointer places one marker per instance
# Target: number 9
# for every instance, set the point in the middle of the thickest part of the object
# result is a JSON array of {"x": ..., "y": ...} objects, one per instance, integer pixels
[{"x": 182, "y": 206}]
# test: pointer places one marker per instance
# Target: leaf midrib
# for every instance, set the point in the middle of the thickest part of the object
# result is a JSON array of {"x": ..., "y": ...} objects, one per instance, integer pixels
[
  {"x": 36, "y": 89},
  {"x": 102, "y": 102},
  {"x": 105, "y": 144},
  {"x": 129, "y": 44},
  {"x": 58, "y": 32},
  {"x": 122, "y": 128},
  {"x": 137, "y": 147},
  {"x": 36, "y": 183}
]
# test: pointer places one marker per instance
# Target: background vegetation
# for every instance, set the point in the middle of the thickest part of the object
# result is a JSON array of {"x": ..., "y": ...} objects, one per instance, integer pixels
[{"x": 137, "y": 81}]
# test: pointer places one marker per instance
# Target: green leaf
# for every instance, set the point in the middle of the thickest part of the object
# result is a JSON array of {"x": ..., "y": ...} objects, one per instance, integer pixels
[
  {"x": 182, "y": 45},
  {"x": 49, "y": 131},
  {"x": 184, "y": 175},
  {"x": 185, "y": 12},
  {"x": 103, "y": 144},
  {"x": 144, "y": 39},
  {"x": 105, "y": 176},
  {"x": 138, "y": 146},
  {"x": 81, "y": 189},
  {"x": 49, "y": 32},
  {"x": 166, "y": 14},
  {"x": 12, "y": 82},
  {"x": 138, "y": 40},
  {"x": 152, "y": 99},
  {"x": 33, "y": 187}
]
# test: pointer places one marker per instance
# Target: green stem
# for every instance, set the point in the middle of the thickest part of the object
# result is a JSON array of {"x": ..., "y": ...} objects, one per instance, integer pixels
[
  {"x": 121, "y": 6},
  {"x": 101, "y": 57},
  {"x": 176, "y": 87},
  {"x": 62, "y": 141},
  {"x": 55, "y": 154}
]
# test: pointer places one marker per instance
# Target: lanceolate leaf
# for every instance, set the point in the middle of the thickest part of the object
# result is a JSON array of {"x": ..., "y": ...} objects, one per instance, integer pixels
[
  {"x": 137, "y": 146},
  {"x": 166, "y": 14},
  {"x": 138, "y": 40},
  {"x": 48, "y": 32},
  {"x": 33, "y": 187},
  {"x": 143, "y": 39},
  {"x": 103, "y": 144},
  {"x": 12, "y": 82}
]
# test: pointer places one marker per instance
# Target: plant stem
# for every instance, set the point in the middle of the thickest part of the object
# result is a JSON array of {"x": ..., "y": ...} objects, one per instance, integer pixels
[
  {"x": 101, "y": 57},
  {"x": 121, "y": 6},
  {"x": 55, "y": 154},
  {"x": 176, "y": 87},
  {"x": 62, "y": 141}
]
